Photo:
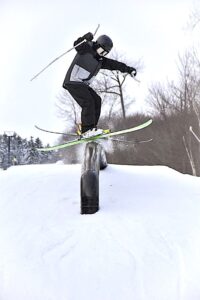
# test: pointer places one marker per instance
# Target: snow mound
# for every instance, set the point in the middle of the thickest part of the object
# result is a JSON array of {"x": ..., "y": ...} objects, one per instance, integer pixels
[{"x": 143, "y": 244}]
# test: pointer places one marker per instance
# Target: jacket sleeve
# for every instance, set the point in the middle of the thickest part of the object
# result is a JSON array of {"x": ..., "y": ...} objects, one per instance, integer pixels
[{"x": 111, "y": 64}]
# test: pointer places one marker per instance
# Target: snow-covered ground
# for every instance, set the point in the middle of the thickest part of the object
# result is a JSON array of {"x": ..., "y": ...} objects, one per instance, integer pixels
[{"x": 143, "y": 244}]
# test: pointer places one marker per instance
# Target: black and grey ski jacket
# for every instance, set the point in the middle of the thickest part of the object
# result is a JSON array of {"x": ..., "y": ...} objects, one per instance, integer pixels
[{"x": 87, "y": 63}]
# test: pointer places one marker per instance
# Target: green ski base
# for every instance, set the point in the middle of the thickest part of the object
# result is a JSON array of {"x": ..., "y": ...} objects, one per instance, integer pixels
[{"x": 97, "y": 137}]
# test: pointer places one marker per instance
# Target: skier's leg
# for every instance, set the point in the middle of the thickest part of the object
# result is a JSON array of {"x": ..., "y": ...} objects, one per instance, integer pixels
[
  {"x": 82, "y": 95},
  {"x": 97, "y": 102}
]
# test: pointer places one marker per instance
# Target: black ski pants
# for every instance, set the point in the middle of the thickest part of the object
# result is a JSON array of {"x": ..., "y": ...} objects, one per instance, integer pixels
[{"x": 89, "y": 101}]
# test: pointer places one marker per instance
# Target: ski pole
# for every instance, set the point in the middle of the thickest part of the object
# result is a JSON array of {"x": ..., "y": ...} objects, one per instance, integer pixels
[
  {"x": 55, "y": 60},
  {"x": 135, "y": 78},
  {"x": 35, "y": 76},
  {"x": 96, "y": 30}
]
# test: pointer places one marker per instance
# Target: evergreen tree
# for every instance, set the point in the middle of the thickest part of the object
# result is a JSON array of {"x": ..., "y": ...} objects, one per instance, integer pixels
[{"x": 3, "y": 149}]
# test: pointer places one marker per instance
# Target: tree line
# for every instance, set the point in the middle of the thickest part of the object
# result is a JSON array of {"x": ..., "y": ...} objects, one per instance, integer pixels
[{"x": 15, "y": 150}]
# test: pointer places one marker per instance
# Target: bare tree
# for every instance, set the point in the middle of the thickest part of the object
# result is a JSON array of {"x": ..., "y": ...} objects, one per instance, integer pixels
[
  {"x": 112, "y": 86},
  {"x": 194, "y": 19},
  {"x": 178, "y": 97},
  {"x": 67, "y": 108},
  {"x": 179, "y": 102}
]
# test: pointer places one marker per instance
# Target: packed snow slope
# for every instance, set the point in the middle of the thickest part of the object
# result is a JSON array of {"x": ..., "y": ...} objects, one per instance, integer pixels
[{"x": 143, "y": 244}]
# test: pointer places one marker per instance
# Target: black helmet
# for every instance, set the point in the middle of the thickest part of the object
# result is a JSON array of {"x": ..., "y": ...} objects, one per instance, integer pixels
[{"x": 105, "y": 42}]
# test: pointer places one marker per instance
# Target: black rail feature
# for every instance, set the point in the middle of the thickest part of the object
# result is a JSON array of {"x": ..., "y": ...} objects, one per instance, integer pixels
[{"x": 94, "y": 160}]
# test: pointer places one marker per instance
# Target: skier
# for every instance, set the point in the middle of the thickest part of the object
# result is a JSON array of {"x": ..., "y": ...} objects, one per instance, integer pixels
[{"x": 90, "y": 58}]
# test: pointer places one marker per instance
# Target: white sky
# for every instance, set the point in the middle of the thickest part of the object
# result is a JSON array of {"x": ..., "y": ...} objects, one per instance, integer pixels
[{"x": 35, "y": 32}]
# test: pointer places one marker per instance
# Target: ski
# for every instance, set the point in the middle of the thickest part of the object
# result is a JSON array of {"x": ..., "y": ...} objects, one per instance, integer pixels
[
  {"x": 78, "y": 133},
  {"x": 75, "y": 134},
  {"x": 55, "y": 132},
  {"x": 134, "y": 142},
  {"x": 97, "y": 137}
]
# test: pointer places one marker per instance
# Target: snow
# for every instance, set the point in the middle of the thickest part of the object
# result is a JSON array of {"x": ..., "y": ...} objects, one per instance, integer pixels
[{"x": 143, "y": 244}]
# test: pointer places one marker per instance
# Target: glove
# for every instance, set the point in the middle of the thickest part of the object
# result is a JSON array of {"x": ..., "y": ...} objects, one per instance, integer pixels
[
  {"x": 88, "y": 36},
  {"x": 132, "y": 71}
]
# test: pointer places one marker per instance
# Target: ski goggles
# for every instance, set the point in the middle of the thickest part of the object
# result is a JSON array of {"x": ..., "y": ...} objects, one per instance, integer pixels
[{"x": 102, "y": 52}]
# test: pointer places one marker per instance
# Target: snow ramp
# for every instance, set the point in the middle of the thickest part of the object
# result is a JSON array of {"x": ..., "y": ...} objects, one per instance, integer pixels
[{"x": 142, "y": 244}]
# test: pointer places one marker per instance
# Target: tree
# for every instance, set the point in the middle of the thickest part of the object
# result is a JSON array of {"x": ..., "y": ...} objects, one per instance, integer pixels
[
  {"x": 177, "y": 104},
  {"x": 112, "y": 86},
  {"x": 67, "y": 108},
  {"x": 194, "y": 19},
  {"x": 3, "y": 149},
  {"x": 23, "y": 151}
]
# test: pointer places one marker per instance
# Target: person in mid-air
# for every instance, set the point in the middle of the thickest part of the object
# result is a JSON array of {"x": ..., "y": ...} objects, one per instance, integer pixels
[{"x": 90, "y": 58}]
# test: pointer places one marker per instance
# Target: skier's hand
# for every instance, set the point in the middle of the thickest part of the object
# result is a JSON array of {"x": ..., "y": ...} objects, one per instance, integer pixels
[
  {"x": 132, "y": 71},
  {"x": 88, "y": 36}
]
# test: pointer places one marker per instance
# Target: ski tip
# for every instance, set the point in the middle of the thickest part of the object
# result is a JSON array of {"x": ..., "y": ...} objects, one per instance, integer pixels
[{"x": 147, "y": 123}]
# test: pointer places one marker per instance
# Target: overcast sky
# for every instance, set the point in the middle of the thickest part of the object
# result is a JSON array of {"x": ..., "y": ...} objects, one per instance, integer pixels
[{"x": 35, "y": 32}]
